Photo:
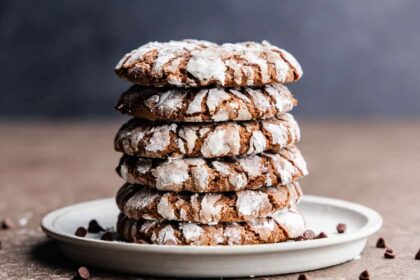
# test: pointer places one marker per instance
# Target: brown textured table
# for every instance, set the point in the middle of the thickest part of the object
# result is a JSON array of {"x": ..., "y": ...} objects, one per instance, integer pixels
[{"x": 44, "y": 166}]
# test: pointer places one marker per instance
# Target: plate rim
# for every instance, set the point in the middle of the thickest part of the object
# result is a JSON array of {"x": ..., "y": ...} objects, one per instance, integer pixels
[{"x": 373, "y": 224}]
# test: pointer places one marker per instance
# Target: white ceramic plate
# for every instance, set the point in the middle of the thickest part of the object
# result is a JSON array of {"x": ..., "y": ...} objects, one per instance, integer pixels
[{"x": 321, "y": 214}]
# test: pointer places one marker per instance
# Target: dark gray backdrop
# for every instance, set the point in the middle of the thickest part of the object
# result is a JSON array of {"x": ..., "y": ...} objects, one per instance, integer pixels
[{"x": 360, "y": 58}]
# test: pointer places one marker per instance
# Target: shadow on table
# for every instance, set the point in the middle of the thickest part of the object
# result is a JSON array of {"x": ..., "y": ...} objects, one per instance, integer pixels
[{"x": 48, "y": 255}]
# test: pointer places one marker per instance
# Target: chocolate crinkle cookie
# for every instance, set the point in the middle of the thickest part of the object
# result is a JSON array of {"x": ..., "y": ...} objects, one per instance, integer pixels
[
  {"x": 206, "y": 104},
  {"x": 280, "y": 227},
  {"x": 195, "y": 63},
  {"x": 139, "y": 202}
]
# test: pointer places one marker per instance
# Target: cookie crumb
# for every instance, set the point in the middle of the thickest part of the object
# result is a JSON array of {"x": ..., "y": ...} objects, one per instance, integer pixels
[
  {"x": 321, "y": 235},
  {"x": 389, "y": 253},
  {"x": 7, "y": 223},
  {"x": 303, "y": 277},
  {"x": 107, "y": 236},
  {"x": 309, "y": 234},
  {"x": 94, "y": 227},
  {"x": 341, "y": 228},
  {"x": 417, "y": 256},
  {"x": 80, "y": 232},
  {"x": 82, "y": 273},
  {"x": 381, "y": 243},
  {"x": 364, "y": 275}
]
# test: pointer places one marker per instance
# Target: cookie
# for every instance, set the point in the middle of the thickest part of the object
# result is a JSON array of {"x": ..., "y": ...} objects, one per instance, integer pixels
[
  {"x": 206, "y": 104},
  {"x": 208, "y": 140},
  {"x": 215, "y": 175},
  {"x": 282, "y": 226},
  {"x": 139, "y": 202},
  {"x": 193, "y": 63}
]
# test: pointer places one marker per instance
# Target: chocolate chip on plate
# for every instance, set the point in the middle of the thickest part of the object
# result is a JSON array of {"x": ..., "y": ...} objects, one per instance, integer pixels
[
  {"x": 380, "y": 243},
  {"x": 341, "y": 228},
  {"x": 417, "y": 256},
  {"x": 309, "y": 234},
  {"x": 7, "y": 223},
  {"x": 303, "y": 277},
  {"x": 389, "y": 253},
  {"x": 94, "y": 227},
  {"x": 321, "y": 235},
  {"x": 80, "y": 232},
  {"x": 364, "y": 275},
  {"x": 300, "y": 238},
  {"x": 82, "y": 273},
  {"x": 107, "y": 236}
]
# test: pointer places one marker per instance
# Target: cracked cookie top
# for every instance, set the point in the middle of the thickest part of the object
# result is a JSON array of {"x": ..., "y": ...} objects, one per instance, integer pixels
[
  {"x": 281, "y": 226},
  {"x": 206, "y": 104},
  {"x": 195, "y": 63},
  {"x": 139, "y": 202},
  {"x": 215, "y": 175},
  {"x": 208, "y": 140}
]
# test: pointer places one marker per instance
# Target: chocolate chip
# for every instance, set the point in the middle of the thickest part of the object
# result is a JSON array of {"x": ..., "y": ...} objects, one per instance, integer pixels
[
  {"x": 309, "y": 234},
  {"x": 389, "y": 253},
  {"x": 364, "y": 275},
  {"x": 94, "y": 227},
  {"x": 417, "y": 256},
  {"x": 107, "y": 236},
  {"x": 82, "y": 273},
  {"x": 7, "y": 223},
  {"x": 341, "y": 228},
  {"x": 303, "y": 277},
  {"x": 321, "y": 235},
  {"x": 381, "y": 243},
  {"x": 300, "y": 238},
  {"x": 81, "y": 232}
]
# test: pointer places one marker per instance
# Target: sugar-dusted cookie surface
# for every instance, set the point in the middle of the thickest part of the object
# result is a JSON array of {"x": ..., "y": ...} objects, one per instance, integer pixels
[
  {"x": 208, "y": 140},
  {"x": 206, "y": 104},
  {"x": 139, "y": 202},
  {"x": 282, "y": 226},
  {"x": 215, "y": 175},
  {"x": 194, "y": 63}
]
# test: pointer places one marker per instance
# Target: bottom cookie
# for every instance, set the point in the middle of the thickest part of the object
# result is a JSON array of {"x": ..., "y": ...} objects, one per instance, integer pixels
[{"x": 282, "y": 226}]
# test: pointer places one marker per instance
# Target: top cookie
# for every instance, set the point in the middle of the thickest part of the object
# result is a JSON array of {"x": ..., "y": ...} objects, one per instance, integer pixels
[{"x": 194, "y": 63}]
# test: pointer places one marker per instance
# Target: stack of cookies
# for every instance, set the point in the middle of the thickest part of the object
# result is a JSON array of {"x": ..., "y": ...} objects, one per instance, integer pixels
[{"x": 209, "y": 157}]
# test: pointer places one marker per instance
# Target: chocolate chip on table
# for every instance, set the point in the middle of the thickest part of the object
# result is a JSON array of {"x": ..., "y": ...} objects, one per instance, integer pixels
[
  {"x": 303, "y": 277},
  {"x": 364, "y": 275},
  {"x": 389, "y": 253},
  {"x": 341, "y": 228},
  {"x": 321, "y": 235},
  {"x": 309, "y": 234},
  {"x": 7, "y": 223},
  {"x": 80, "y": 232},
  {"x": 107, "y": 236},
  {"x": 82, "y": 273},
  {"x": 94, "y": 227},
  {"x": 381, "y": 243},
  {"x": 417, "y": 256}
]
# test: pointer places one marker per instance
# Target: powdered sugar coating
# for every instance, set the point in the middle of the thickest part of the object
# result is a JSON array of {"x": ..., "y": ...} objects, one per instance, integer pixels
[
  {"x": 201, "y": 63},
  {"x": 206, "y": 105},
  {"x": 281, "y": 227},
  {"x": 206, "y": 140},
  {"x": 215, "y": 175},
  {"x": 139, "y": 202}
]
